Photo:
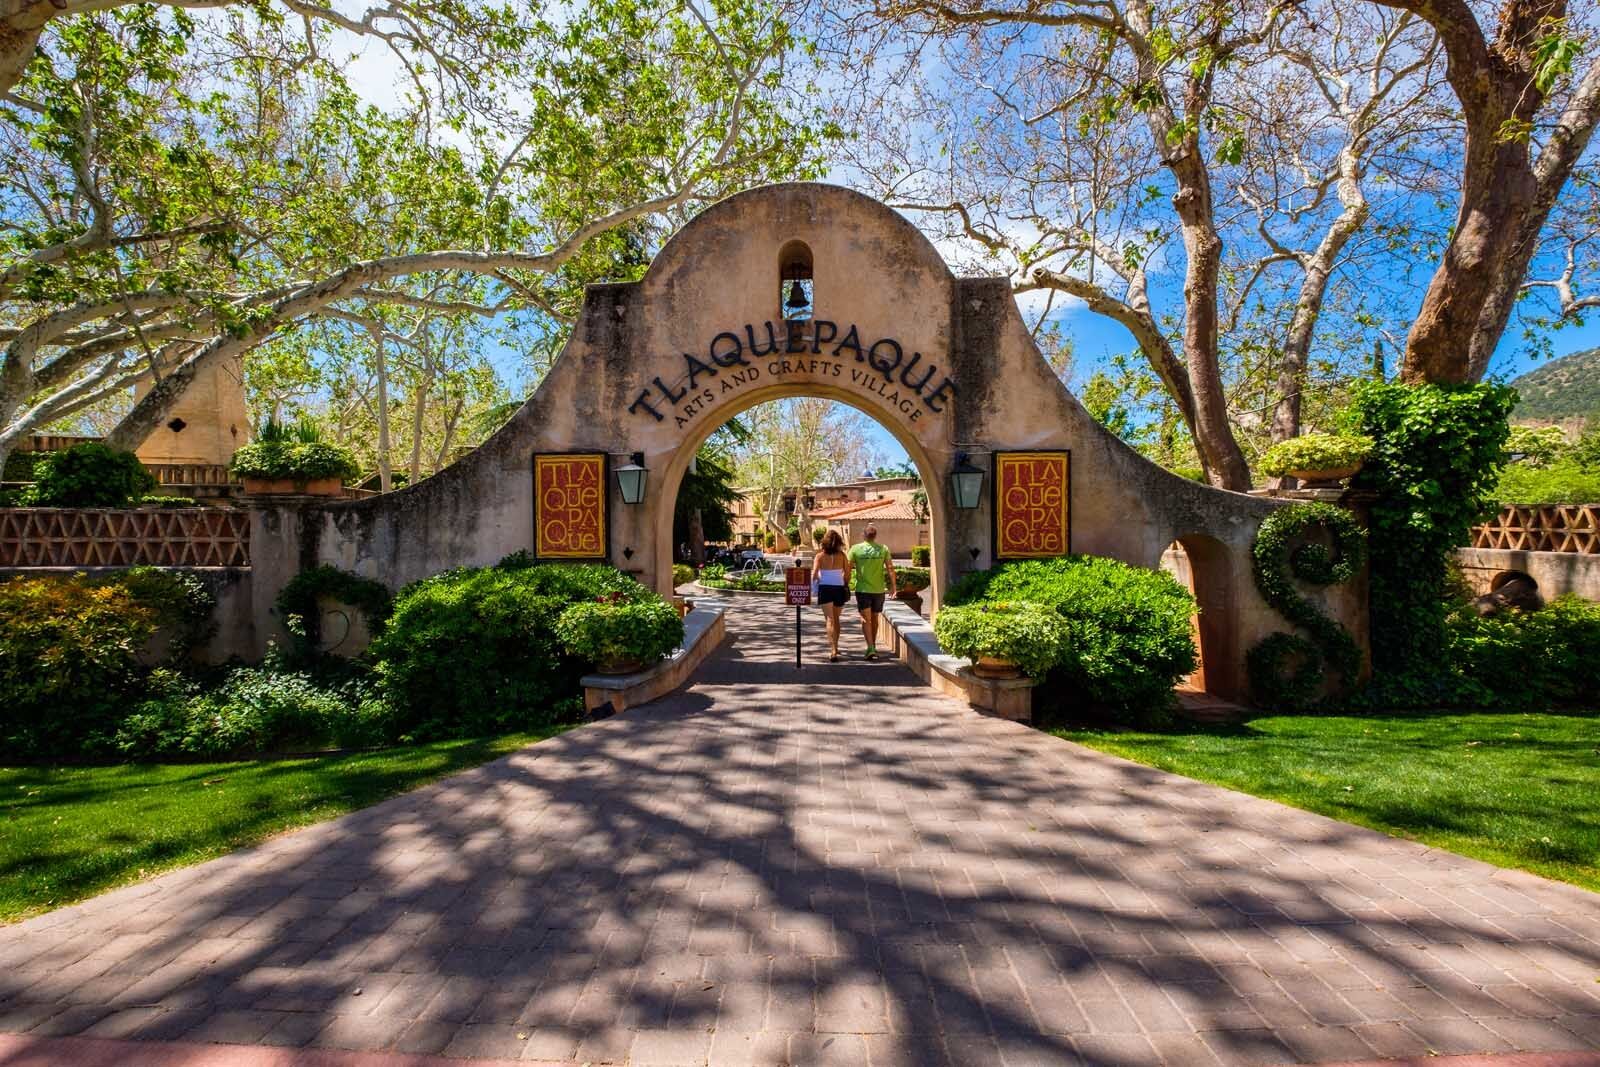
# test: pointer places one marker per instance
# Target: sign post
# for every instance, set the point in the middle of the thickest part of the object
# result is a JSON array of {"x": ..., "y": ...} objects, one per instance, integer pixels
[{"x": 797, "y": 591}]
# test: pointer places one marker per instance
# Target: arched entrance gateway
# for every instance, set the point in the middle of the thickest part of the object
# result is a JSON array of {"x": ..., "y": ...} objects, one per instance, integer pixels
[{"x": 877, "y": 321}]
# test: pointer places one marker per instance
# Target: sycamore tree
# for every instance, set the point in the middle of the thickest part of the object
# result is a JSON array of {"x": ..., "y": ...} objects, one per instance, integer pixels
[
  {"x": 1528, "y": 93},
  {"x": 1183, "y": 169},
  {"x": 184, "y": 188}
]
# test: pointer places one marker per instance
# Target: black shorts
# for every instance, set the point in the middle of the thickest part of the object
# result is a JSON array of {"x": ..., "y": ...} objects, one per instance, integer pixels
[
  {"x": 832, "y": 594},
  {"x": 869, "y": 601}
]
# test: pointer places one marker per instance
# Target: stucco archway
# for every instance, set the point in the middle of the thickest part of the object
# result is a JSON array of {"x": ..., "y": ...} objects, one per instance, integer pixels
[{"x": 946, "y": 364}]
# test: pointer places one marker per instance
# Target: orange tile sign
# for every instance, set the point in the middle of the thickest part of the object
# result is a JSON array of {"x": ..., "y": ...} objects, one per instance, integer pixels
[
  {"x": 1031, "y": 505},
  {"x": 569, "y": 506}
]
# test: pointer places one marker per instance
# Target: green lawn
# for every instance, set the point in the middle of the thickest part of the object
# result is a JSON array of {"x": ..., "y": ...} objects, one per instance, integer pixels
[
  {"x": 70, "y": 832},
  {"x": 1514, "y": 790}
]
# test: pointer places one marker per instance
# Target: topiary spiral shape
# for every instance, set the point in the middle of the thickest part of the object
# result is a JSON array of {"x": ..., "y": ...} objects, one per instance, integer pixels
[{"x": 1281, "y": 555}]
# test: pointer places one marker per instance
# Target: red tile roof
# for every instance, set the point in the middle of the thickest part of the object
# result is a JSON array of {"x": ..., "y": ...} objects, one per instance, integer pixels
[{"x": 888, "y": 508}]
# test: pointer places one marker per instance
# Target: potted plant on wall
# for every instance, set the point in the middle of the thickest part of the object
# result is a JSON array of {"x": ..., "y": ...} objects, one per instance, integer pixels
[
  {"x": 620, "y": 635},
  {"x": 1004, "y": 640},
  {"x": 1316, "y": 458},
  {"x": 909, "y": 584},
  {"x": 293, "y": 460}
]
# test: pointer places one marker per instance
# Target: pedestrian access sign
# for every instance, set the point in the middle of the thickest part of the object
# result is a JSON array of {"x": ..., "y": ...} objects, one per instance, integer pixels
[{"x": 797, "y": 586}]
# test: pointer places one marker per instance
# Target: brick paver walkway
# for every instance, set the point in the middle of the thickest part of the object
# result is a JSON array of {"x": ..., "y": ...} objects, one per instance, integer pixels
[{"x": 853, "y": 870}]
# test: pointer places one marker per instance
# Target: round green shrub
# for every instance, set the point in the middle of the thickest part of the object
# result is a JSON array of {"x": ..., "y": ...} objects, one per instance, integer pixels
[
  {"x": 1129, "y": 636},
  {"x": 90, "y": 475},
  {"x": 682, "y": 574},
  {"x": 1528, "y": 659},
  {"x": 818, "y": 532},
  {"x": 1315, "y": 452},
  {"x": 612, "y": 632},
  {"x": 1033, "y": 636},
  {"x": 921, "y": 555},
  {"x": 300, "y": 461},
  {"x": 473, "y": 651},
  {"x": 912, "y": 579}
]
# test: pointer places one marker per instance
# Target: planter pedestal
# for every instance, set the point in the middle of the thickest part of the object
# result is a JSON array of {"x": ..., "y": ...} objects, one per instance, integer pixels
[
  {"x": 327, "y": 487},
  {"x": 996, "y": 667}
]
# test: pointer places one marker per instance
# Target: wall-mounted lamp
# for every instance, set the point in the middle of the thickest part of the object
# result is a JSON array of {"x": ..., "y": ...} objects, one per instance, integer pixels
[
  {"x": 974, "y": 552},
  {"x": 627, "y": 553},
  {"x": 966, "y": 482},
  {"x": 631, "y": 478}
]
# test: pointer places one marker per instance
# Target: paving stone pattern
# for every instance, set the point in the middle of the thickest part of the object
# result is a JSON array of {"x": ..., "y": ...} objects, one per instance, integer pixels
[{"x": 832, "y": 867}]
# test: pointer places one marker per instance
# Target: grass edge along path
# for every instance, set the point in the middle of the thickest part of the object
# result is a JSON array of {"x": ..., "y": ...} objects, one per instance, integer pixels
[
  {"x": 70, "y": 832},
  {"x": 1514, "y": 790}
]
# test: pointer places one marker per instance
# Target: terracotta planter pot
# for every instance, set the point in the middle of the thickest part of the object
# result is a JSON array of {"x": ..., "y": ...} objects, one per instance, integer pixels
[
  {"x": 996, "y": 667},
  {"x": 619, "y": 666},
  {"x": 911, "y": 598},
  {"x": 290, "y": 487},
  {"x": 1333, "y": 474},
  {"x": 682, "y": 605}
]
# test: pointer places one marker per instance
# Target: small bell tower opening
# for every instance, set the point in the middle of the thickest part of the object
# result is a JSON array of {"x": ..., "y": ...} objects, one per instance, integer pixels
[{"x": 797, "y": 284}]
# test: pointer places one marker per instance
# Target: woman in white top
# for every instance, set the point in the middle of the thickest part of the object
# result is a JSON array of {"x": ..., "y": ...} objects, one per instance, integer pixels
[{"x": 831, "y": 568}]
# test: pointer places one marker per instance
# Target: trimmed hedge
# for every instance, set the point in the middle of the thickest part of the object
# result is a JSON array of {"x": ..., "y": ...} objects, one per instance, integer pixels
[
  {"x": 1128, "y": 629},
  {"x": 474, "y": 651}
]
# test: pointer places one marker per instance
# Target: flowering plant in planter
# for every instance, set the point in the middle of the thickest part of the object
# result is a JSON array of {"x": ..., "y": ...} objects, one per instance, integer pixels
[
  {"x": 1032, "y": 636},
  {"x": 1329, "y": 455},
  {"x": 620, "y": 634}
]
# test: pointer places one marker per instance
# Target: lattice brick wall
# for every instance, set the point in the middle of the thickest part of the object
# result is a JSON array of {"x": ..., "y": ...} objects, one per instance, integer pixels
[
  {"x": 102, "y": 537},
  {"x": 1542, "y": 528}
]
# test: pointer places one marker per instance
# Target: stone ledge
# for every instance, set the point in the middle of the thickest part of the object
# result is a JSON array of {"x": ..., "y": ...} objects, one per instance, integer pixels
[
  {"x": 703, "y": 632},
  {"x": 910, "y": 637}
]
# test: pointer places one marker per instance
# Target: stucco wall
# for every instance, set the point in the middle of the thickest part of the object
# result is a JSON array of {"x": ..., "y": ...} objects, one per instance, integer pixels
[
  {"x": 1555, "y": 572},
  {"x": 874, "y": 271}
]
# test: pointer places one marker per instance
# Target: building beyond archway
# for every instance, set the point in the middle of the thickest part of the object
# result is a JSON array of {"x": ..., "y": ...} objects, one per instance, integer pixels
[{"x": 786, "y": 290}]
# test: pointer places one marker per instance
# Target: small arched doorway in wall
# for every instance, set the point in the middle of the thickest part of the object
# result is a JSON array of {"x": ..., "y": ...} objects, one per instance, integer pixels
[
  {"x": 1202, "y": 565},
  {"x": 928, "y": 472}
]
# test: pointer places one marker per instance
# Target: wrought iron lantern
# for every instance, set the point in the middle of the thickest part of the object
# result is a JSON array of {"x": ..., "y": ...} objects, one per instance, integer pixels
[
  {"x": 966, "y": 482},
  {"x": 631, "y": 478}
]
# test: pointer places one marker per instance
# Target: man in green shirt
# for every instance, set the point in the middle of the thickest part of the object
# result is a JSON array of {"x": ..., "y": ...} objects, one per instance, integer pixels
[{"x": 874, "y": 572}]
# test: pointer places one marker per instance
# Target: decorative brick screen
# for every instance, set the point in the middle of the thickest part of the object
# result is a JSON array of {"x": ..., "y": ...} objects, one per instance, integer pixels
[
  {"x": 1542, "y": 528},
  {"x": 102, "y": 537}
]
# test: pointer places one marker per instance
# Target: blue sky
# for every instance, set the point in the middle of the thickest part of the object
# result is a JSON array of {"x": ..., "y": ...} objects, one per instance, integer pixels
[{"x": 1097, "y": 338}]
